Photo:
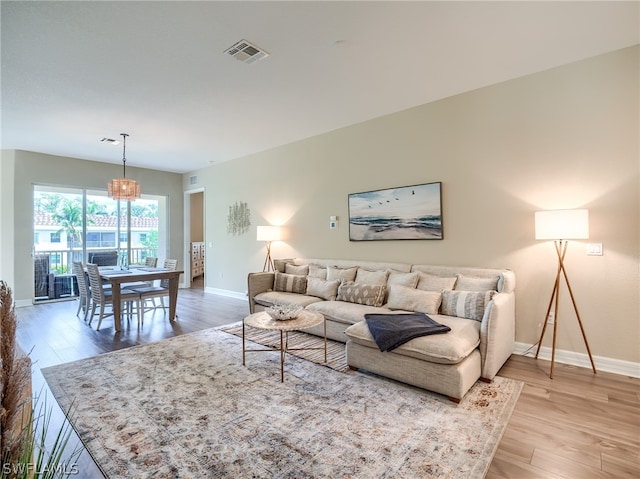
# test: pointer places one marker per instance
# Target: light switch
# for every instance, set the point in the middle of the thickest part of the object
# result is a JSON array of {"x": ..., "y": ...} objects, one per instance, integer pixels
[{"x": 594, "y": 249}]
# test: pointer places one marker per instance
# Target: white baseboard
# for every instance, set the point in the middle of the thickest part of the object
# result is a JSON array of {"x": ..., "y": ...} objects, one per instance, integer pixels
[
  {"x": 21, "y": 303},
  {"x": 226, "y": 292},
  {"x": 610, "y": 365}
]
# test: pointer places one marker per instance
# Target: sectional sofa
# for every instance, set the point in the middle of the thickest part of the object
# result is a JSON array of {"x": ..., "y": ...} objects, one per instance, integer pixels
[{"x": 477, "y": 304}]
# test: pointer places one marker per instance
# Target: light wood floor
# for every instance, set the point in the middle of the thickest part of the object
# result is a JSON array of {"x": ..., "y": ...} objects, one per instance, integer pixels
[{"x": 576, "y": 426}]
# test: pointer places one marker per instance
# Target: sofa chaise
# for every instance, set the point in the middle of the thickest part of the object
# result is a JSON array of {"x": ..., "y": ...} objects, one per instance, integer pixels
[{"x": 477, "y": 304}]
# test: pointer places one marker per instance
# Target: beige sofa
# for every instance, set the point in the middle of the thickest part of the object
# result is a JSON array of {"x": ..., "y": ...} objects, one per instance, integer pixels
[{"x": 478, "y": 305}]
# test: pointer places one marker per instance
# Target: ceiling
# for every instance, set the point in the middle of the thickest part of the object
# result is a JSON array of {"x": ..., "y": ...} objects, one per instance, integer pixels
[{"x": 76, "y": 72}]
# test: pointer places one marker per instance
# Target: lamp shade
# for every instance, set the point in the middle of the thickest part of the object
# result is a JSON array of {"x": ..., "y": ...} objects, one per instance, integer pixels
[
  {"x": 268, "y": 233},
  {"x": 562, "y": 224}
]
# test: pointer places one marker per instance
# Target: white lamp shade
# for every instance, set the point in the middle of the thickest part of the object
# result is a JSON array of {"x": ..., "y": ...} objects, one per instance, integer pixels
[
  {"x": 268, "y": 233},
  {"x": 562, "y": 224}
]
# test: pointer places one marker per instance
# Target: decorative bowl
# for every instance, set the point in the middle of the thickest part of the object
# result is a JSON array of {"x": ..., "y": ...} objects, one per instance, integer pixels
[{"x": 282, "y": 312}]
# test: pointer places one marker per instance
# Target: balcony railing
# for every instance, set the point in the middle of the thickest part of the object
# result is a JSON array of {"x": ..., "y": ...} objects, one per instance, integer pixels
[{"x": 60, "y": 261}]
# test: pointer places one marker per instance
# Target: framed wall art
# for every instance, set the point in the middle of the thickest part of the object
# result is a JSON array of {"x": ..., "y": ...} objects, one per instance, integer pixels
[{"x": 407, "y": 212}]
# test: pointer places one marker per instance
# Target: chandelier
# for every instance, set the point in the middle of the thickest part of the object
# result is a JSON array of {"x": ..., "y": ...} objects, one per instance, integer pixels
[{"x": 124, "y": 188}]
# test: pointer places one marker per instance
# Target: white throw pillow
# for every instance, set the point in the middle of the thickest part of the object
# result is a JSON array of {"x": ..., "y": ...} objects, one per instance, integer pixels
[
  {"x": 364, "y": 276},
  {"x": 322, "y": 288},
  {"x": 470, "y": 283},
  {"x": 411, "y": 299},
  {"x": 430, "y": 282},
  {"x": 348, "y": 274}
]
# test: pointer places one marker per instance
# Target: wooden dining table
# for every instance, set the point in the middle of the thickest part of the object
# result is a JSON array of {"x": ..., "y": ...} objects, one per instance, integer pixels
[{"x": 117, "y": 276}]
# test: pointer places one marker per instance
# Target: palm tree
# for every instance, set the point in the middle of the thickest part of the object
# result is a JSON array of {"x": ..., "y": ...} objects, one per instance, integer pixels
[{"x": 69, "y": 217}]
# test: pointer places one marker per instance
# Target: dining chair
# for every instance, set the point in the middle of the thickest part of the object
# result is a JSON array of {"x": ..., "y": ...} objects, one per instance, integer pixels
[
  {"x": 152, "y": 292},
  {"x": 84, "y": 296},
  {"x": 150, "y": 262},
  {"x": 103, "y": 297}
]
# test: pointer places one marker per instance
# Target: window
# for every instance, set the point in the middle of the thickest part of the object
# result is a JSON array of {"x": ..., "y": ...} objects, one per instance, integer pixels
[{"x": 69, "y": 223}]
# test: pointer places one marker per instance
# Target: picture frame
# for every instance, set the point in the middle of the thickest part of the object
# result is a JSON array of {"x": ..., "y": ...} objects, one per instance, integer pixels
[{"x": 403, "y": 213}]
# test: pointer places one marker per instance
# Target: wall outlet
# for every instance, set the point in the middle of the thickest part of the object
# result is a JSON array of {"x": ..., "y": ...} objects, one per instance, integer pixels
[{"x": 551, "y": 318}]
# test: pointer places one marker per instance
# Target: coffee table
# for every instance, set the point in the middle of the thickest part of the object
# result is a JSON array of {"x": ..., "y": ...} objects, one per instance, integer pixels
[{"x": 304, "y": 320}]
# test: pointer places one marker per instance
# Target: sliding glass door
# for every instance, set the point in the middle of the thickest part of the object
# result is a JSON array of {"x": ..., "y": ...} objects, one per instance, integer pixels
[{"x": 78, "y": 224}]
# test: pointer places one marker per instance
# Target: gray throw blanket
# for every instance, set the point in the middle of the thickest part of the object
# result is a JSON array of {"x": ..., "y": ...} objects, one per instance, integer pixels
[{"x": 392, "y": 330}]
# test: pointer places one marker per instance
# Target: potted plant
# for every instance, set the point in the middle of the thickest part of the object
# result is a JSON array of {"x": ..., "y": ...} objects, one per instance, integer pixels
[{"x": 29, "y": 446}]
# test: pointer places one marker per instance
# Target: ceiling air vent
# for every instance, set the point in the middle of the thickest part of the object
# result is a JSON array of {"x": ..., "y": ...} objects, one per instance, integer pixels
[{"x": 246, "y": 52}]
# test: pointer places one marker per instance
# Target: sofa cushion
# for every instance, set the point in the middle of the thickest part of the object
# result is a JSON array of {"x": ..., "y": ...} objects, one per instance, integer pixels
[
  {"x": 290, "y": 283},
  {"x": 466, "y": 304},
  {"x": 470, "y": 283},
  {"x": 343, "y": 312},
  {"x": 318, "y": 271},
  {"x": 278, "y": 297},
  {"x": 447, "y": 348},
  {"x": 361, "y": 293},
  {"x": 302, "y": 269},
  {"x": 346, "y": 274},
  {"x": 371, "y": 277},
  {"x": 431, "y": 282},
  {"x": 322, "y": 288},
  {"x": 403, "y": 279},
  {"x": 411, "y": 299}
]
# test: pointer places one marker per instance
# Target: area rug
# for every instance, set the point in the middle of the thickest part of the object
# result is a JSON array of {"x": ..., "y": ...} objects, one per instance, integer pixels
[
  {"x": 185, "y": 407},
  {"x": 336, "y": 357}
]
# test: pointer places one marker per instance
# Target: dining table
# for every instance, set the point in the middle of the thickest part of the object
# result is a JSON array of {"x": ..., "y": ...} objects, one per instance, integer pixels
[{"x": 116, "y": 276}]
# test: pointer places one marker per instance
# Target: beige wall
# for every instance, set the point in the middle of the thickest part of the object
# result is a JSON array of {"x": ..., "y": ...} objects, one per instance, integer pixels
[
  {"x": 21, "y": 169},
  {"x": 563, "y": 138}
]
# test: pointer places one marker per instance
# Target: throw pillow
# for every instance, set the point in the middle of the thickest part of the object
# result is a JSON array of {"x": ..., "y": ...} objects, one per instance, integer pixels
[
  {"x": 361, "y": 293},
  {"x": 470, "y": 283},
  {"x": 411, "y": 299},
  {"x": 318, "y": 271},
  {"x": 348, "y": 274},
  {"x": 322, "y": 288},
  {"x": 290, "y": 283},
  {"x": 430, "y": 282},
  {"x": 302, "y": 269},
  {"x": 466, "y": 304},
  {"x": 371, "y": 277},
  {"x": 403, "y": 279}
]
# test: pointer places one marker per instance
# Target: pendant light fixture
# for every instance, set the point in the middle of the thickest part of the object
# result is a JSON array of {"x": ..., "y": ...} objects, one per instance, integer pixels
[{"x": 124, "y": 188}]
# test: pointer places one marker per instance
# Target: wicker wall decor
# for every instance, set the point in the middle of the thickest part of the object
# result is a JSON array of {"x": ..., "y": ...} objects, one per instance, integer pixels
[{"x": 239, "y": 218}]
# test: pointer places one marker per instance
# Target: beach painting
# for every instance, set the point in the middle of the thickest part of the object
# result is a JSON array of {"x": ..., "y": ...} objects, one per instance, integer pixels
[{"x": 407, "y": 212}]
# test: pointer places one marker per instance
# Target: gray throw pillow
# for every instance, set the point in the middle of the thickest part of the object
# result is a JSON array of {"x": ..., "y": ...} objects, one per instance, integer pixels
[
  {"x": 290, "y": 283},
  {"x": 361, "y": 293},
  {"x": 466, "y": 304}
]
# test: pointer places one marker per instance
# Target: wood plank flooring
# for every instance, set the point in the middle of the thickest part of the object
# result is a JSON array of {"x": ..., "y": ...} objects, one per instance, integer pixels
[{"x": 578, "y": 425}]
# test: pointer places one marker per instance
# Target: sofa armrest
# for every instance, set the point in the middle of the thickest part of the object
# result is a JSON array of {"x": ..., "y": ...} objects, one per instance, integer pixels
[
  {"x": 497, "y": 333},
  {"x": 258, "y": 283}
]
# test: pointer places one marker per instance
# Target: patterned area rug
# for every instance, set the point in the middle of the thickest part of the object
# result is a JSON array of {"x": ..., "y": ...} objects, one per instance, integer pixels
[
  {"x": 185, "y": 407},
  {"x": 336, "y": 357}
]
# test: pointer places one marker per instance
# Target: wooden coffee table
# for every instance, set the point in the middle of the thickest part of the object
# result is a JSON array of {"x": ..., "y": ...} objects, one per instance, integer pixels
[{"x": 304, "y": 320}]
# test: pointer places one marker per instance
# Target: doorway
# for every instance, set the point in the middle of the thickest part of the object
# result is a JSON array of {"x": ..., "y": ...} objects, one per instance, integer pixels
[{"x": 195, "y": 232}]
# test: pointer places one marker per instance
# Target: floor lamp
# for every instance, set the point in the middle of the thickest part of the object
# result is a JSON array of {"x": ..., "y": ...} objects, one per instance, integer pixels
[
  {"x": 268, "y": 234},
  {"x": 560, "y": 226}
]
